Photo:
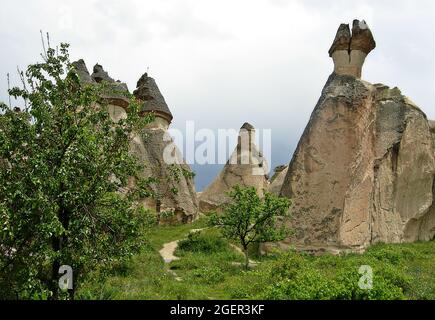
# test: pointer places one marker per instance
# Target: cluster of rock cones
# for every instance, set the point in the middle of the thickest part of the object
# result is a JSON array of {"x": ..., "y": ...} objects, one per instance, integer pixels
[{"x": 362, "y": 173}]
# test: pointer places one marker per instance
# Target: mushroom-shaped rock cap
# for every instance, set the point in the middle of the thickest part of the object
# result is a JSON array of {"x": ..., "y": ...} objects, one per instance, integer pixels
[
  {"x": 82, "y": 71},
  {"x": 342, "y": 39},
  {"x": 247, "y": 126},
  {"x": 116, "y": 90},
  {"x": 361, "y": 38},
  {"x": 432, "y": 125},
  {"x": 99, "y": 74},
  {"x": 153, "y": 101}
]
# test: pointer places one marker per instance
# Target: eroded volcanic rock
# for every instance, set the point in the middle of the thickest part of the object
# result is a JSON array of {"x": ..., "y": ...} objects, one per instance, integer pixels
[
  {"x": 246, "y": 167},
  {"x": 349, "y": 51},
  {"x": 174, "y": 189},
  {"x": 363, "y": 170},
  {"x": 278, "y": 179},
  {"x": 174, "y": 186},
  {"x": 82, "y": 71}
]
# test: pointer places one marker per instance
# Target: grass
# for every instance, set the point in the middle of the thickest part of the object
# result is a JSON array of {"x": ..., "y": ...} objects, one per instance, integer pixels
[
  {"x": 163, "y": 234},
  {"x": 210, "y": 269}
]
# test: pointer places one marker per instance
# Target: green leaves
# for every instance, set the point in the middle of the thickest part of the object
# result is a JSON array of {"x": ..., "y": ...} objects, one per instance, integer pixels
[
  {"x": 58, "y": 202},
  {"x": 248, "y": 218}
]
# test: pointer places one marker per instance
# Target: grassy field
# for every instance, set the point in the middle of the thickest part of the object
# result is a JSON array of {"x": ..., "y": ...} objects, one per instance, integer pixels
[{"x": 209, "y": 268}]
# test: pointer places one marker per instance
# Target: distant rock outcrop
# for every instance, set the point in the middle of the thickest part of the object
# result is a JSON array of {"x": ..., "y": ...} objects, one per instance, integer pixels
[
  {"x": 246, "y": 167},
  {"x": 175, "y": 196},
  {"x": 363, "y": 170}
]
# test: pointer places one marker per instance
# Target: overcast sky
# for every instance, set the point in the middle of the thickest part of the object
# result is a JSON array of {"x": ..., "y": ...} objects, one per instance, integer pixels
[{"x": 221, "y": 63}]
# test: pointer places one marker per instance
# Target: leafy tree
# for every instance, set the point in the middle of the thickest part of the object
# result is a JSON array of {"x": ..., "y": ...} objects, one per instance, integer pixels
[
  {"x": 249, "y": 218},
  {"x": 66, "y": 191}
]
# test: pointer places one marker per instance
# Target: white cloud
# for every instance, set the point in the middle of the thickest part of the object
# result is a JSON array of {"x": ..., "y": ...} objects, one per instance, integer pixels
[{"x": 222, "y": 63}]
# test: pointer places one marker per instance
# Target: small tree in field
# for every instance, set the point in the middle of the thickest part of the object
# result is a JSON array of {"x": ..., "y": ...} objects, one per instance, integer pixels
[
  {"x": 251, "y": 219},
  {"x": 63, "y": 162}
]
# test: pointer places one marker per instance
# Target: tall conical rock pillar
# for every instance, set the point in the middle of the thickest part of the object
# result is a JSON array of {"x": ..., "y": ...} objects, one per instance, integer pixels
[
  {"x": 363, "y": 170},
  {"x": 245, "y": 167},
  {"x": 174, "y": 187}
]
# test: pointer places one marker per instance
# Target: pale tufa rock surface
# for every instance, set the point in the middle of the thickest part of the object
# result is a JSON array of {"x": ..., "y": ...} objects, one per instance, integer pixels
[
  {"x": 246, "y": 167},
  {"x": 429, "y": 223},
  {"x": 363, "y": 170},
  {"x": 277, "y": 179},
  {"x": 174, "y": 188}
]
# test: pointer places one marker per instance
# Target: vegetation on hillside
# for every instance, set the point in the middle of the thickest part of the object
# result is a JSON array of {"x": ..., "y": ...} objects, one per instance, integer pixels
[
  {"x": 209, "y": 268},
  {"x": 249, "y": 219}
]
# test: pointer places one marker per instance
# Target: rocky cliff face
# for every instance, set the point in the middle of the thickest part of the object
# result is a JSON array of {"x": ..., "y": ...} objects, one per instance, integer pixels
[
  {"x": 432, "y": 129},
  {"x": 429, "y": 224},
  {"x": 363, "y": 170},
  {"x": 246, "y": 167}
]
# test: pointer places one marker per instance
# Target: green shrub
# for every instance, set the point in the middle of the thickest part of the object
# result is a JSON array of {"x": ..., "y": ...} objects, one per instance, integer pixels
[
  {"x": 396, "y": 275},
  {"x": 298, "y": 276},
  {"x": 388, "y": 254},
  {"x": 203, "y": 242},
  {"x": 248, "y": 284},
  {"x": 209, "y": 275},
  {"x": 348, "y": 287},
  {"x": 307, "y": 284},
  {"x": 288, "y": 265},
  {"x": 239, "y": 293}
]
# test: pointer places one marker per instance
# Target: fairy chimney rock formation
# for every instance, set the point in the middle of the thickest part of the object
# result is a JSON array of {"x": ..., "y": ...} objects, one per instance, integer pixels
[
  {"x": 175, "y": 196},
  {"x": 174, "y": 189},
  {"x": 245, "y": 167},
  {"x": 363, "y": 170},
  {"x": 349, "y": 50}
]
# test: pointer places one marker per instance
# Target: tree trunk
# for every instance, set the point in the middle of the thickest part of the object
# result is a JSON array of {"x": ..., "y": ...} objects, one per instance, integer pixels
[
  {"x": 57, "y": 244},
  {"x": 54, "y": 286},
  {"x": 245, "y": 251}
]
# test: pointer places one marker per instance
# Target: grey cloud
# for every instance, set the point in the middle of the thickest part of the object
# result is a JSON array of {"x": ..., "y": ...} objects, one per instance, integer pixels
[{"x": 224, "y": 63}]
